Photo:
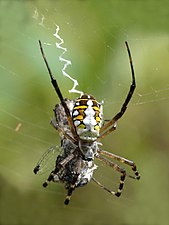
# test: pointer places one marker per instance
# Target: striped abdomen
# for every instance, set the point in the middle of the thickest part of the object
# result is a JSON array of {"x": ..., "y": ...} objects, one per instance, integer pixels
[{"x": 87, "y": 117}]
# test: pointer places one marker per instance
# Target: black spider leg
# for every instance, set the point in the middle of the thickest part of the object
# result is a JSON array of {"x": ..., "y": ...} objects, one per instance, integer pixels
[
  {"x": 122, "y": 160},
  {"x": 57, "y": 89},
  {"x": 111, "y": 125},
  {"x": 57, "y": 169},
  {"x": 72, "y": 185},
  {"x": 118, "y": 169},
  {"x": 71, "y": 189}
]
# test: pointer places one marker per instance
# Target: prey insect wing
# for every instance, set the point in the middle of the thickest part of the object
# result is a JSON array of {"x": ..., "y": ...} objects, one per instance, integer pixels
[{"x": 47, "y": 161}]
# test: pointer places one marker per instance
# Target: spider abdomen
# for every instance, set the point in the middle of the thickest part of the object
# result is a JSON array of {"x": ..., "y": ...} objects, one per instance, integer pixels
[{"x": 87, "y": 117}]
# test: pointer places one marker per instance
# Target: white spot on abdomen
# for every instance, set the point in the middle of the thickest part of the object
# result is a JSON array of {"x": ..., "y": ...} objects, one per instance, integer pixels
[
  {"x": 76, "y": 123},
  {"x": 75, "y": 113},
  {"x": 89, "y": 119}
]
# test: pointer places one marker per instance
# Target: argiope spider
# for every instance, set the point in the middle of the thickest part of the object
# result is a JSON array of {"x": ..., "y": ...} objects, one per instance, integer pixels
[{"x": 80, "y": 125}]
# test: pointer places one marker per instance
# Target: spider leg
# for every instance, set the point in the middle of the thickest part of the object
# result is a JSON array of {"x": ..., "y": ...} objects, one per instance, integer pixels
[
  {"x": 111, "y": 125},
  {"x": 108, "y": 131},
  {"x": 122, "y": 160},
  {"x": 71, "y": 189},
  {"x": 57, "y": 89},
  {"x": 72, "y": 185},
  {"x": 57, "y": 169},
  {"x": 103, "y": 187},
  {"x": 117, "y": 168}
]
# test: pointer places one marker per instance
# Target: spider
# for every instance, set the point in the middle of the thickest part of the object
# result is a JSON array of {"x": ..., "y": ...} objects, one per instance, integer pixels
[{"x": 80, "y": 125}]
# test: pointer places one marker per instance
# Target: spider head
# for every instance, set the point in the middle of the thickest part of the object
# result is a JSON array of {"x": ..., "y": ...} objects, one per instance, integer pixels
[{"x": 87, "y": 117}]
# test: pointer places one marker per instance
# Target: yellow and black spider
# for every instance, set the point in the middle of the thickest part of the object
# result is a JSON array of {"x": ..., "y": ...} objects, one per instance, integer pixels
[{"x": 80, "y": 125}]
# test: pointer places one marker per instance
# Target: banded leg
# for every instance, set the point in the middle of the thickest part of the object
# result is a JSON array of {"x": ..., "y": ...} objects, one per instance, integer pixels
[
  {"x": 103, "y": 186},
  {"x": 71, "y": 189},
  {"x": 57, "y": 169},
  {"x": 122, "y": 160},
  {"x": 117, "y": 168},
  {"x": 51, "y": 177},
  {"x": 72, "y": 185},
  {"x": 107, "y": 128}
]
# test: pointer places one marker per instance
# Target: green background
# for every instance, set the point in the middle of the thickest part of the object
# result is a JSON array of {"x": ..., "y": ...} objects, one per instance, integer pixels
[{"x": 94, "y": 33}]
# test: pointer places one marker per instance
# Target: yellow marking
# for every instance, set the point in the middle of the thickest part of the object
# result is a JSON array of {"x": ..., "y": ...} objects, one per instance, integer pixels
[
  {"x": 79, "y": 117},
  {"x": 80, "y": 107},
  {"x": 85, "y": 99},
  {"x": 95, "y": 108},
  {"x": 97, "y": 127},
  {"x": 82, "y": 126},
  {"x": 98, "y": 119},
  {"x": 119, "y": 191}
]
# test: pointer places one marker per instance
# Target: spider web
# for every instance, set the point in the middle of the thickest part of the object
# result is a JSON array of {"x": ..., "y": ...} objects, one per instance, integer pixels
[{"x": 27, "y": 98}]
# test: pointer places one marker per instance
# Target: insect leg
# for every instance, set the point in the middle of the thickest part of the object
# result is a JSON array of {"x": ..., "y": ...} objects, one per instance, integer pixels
[{"x": 57, "y": 169}]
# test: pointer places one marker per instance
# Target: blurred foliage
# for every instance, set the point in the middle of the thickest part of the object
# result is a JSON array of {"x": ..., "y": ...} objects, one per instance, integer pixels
[{"x": 94, "y": 33}]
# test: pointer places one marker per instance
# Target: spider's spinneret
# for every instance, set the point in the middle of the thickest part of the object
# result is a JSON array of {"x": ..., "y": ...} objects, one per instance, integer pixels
[{"x": 87, "y": 117}]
